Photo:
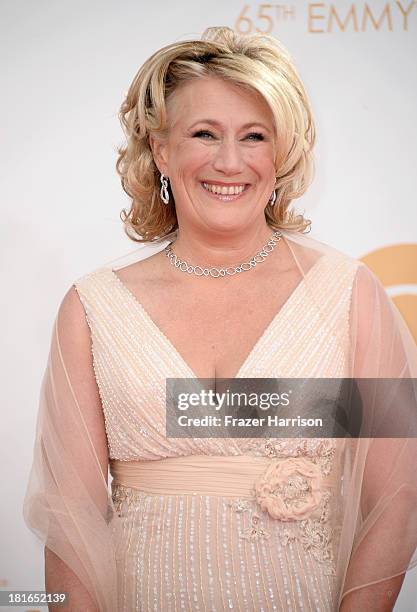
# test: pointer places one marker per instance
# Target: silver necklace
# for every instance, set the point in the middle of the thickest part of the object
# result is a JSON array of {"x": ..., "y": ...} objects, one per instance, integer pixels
[{"x": 223, "y": 271}]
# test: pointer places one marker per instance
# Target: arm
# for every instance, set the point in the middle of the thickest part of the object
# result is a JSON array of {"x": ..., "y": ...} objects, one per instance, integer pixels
[
  {"x": 387, "y": 537},
  {"x": 75, "y": 349},
  {"x": 386, "y": 533},
  {"x": 379, "y": 597},
  {"x": 59, "y": 578},
  {"x": 386, "y": 541}
]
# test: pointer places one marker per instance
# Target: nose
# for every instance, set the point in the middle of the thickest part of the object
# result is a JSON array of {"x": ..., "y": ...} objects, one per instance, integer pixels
[{"x": 228, "y": 158}]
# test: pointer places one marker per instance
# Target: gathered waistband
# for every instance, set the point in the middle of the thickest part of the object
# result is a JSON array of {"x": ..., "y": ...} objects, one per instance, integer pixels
[{"x": 199, "y": 474}]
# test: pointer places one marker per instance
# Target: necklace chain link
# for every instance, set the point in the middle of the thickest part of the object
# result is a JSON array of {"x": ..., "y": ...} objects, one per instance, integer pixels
[{"x": 223, "y": 271}]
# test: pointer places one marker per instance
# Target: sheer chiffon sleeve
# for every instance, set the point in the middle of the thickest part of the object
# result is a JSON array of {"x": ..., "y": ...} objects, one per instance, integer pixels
[
  {"x": 381, "y": 512},
  {"x": 67, "y": 503}
]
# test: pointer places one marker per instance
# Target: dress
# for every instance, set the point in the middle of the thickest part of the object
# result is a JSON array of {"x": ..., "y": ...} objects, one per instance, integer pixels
[
  {"x": 215, "y": 524},
  {"x": 217, "y": 551}
]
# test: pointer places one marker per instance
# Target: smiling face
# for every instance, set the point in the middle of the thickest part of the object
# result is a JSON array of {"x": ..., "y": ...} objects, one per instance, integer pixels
[{"x": 219, "y": 155}]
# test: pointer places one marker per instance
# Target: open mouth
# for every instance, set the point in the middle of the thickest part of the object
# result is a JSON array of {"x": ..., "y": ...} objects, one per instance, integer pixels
[{"x": 225, "y": 193}]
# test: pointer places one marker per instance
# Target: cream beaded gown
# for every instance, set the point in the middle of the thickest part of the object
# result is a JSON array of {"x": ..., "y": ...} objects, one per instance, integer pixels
[{"x": 222, "y": 524}]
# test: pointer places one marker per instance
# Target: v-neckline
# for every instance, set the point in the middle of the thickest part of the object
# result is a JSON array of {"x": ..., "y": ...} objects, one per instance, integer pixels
[{"x": 175, "y": 351}]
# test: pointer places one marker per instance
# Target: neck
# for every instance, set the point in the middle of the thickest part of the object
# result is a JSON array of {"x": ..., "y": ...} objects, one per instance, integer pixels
[{"x": 209, "y": 249}]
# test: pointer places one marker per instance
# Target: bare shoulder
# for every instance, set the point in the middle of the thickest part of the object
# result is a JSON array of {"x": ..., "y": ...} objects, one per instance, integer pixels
[
  {"x": 149, "y": 271},
  {"x": 76, "y": 356},
  {"x": 75, "y": 346},
  {"x": 72, "y": 323}
]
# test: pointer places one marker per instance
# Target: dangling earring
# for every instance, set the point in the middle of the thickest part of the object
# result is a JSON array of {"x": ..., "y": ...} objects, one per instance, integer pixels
[
  {"x": 164, "y": 190},
  {"x": 273, "y": 198}
]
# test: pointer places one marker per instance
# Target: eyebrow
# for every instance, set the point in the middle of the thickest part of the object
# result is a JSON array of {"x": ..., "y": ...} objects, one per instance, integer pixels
[{"x": 215, "y": 123}]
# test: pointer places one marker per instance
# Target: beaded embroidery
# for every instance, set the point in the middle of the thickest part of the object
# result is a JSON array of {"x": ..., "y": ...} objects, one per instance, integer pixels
[
  {"x": 123, "y": 494},
  {"x": 255, "y": 531},
  {"x": 314, "y": 533},
  {"x": 321, "y": 451},
  {"x": 239, "y": 505},
  {"x": 295, "y": 488},
  {"x": 316, "y": 537}
]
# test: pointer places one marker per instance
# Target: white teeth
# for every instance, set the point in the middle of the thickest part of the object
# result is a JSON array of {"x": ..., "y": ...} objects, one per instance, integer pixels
[{"x": 222, "y": 190}]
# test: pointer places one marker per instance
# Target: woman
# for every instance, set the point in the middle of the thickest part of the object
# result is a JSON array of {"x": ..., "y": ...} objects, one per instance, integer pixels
[{"x": 219, "y": 140}]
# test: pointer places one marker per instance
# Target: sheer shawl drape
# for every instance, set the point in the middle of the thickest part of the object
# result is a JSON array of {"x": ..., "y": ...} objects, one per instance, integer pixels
[
  {"x": 69, "y": 506},
  {"x": 379, "y": 527},
  {"x": 68, "y": 502}
]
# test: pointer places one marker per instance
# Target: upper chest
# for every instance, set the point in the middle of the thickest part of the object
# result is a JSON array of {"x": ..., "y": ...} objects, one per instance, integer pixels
[
  {"x": 140, "y": 340},
  {"x": 213, "y": 328}
]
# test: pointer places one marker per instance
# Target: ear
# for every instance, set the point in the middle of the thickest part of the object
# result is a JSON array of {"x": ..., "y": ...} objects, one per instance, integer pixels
[{"x": 159, "y": 150}]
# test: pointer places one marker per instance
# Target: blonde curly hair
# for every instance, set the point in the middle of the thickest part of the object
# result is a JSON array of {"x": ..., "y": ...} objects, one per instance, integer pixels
[{"x": 258, "y": 62}]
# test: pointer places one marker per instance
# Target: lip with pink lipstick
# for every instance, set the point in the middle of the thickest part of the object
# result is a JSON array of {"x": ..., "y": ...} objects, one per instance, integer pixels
[{"x": 225, "y": 192}]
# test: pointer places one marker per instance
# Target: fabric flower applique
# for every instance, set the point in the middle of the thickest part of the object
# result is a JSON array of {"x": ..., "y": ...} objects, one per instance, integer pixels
[{"x": 290, "y": 489}]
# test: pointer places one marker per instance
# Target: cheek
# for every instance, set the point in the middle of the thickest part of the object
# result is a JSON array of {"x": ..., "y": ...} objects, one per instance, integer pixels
[
  {"x": 263, "y": 154},
  {"x": 190, "y": 159},
  {"x": 263, "y": 164}
]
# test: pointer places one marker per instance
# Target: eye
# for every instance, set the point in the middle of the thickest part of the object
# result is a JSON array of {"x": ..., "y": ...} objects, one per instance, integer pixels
[
  {"x": 204, "y": 134},
  {"x": 201, "y": 133},
  {"x": 256, "y": 135}
]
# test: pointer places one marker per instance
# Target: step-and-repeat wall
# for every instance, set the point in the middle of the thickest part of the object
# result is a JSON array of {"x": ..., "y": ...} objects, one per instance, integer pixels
[{"x": 66, "y": 67}]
